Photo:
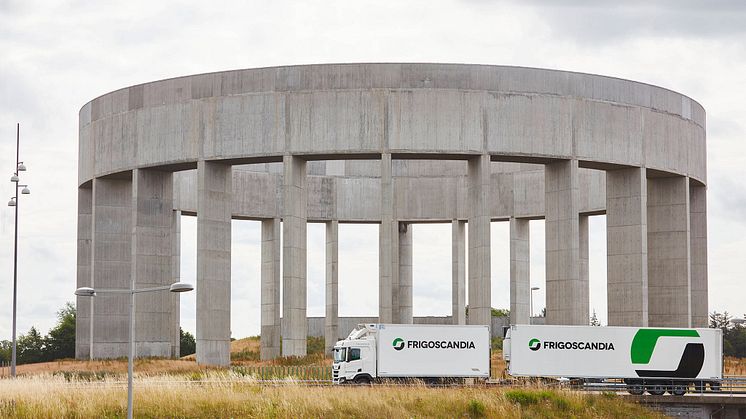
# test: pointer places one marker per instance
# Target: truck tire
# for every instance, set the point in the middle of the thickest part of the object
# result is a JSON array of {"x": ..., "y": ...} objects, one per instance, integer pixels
[
  {"x": 715, "y": 386},
  {"x": 678, "y": 390},
  {"x": 362, "y": 380},
  {"x": 635, "y": 389},
  {"x": 656, "y": 389}
]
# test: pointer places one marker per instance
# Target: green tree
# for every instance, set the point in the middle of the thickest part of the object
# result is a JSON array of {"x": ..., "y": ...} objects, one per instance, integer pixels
[
  {"x": 720, "y": 320},
  {"x": 30, "y": 347},
  {"x": 5, "y": 349},
  {"x": 60, "y": 342},
  {"x": 187, "y": 344},
  {"x": 500, "y": 312},
  {"x": 594, "y": 319}
]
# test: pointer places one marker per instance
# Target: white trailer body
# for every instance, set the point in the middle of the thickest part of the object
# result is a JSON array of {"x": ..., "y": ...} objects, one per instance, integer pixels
[
  {"x": 614, "y": 352},
  {"x": 373, "y": 351},
  {"x": 415, "y": 350}
]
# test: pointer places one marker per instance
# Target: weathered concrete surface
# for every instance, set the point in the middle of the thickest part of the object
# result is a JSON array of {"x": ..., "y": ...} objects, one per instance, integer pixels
[
  {"x": 404, "y": 300},
  {"x": 112, "y": 265},
  {"x": 270, "y": 292},
  {"x": 458, "y": 272},
  {"x": 698, "y": 254},
  {"x": 331, "y": 324},
  {"x": 294, "y": 257},
  {"x": 388, "y": 253},
  {"x": 479, "y": 241},
  {"x": 669, "y": 282},
  {"x": 213, "y": 264},
  {"x": 84, "y": 305},
  {"x": 520, "y": 264},
  {"x": 152, "y": 247},
  {"x": 565, "y": 304},
  {"x": 627, "y": 247}
]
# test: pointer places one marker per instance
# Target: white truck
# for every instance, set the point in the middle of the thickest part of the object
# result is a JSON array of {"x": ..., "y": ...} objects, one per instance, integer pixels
[
  {"x": 649, "y": 359},
  {"x": 404, "y": 351}
]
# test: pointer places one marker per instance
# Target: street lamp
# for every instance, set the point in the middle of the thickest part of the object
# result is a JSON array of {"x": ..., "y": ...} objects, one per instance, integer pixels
[
  {"x": 20, "y": 167},
  {"x": 531, "y": 308},
  {"x": 90, "y": 292}
]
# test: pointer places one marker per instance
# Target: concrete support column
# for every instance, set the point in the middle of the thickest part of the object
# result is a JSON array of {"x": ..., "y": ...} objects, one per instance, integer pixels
[
  {"x": 295, "y": 331},
  {"x": 214, "y": 189},
  {"x": 458, "y": 272},
  {"x": 566, "y": 302},
  {"x": 270, "y": 291},
  {"x": 698, "y": 245},
  {"x": 84, "y": 305},
  {"x": 152, "y": 245},
  {"x": 331, "y": 321},
  {"x": 583, "y": 269},
  {"x": 479, "y": 241},
  {"x": 669, "y": 282},
  {"x": 627, "y": 247},
  {"x": 405, "y": 274},
  {"x": 387, "y": 244},
  {"x": 112, "y": 265},
  {"x": 520, "y": 279},
  {"x": 176, "y": 277}
]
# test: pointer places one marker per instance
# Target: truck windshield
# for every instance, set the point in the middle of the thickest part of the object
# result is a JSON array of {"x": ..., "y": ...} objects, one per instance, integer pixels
[{"x": 339, "y": 354}]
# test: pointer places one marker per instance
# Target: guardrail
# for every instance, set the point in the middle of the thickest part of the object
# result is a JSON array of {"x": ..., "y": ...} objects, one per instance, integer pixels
[
  {"x": 275, "y": 372},
  {"x": 725, "y": 386}
]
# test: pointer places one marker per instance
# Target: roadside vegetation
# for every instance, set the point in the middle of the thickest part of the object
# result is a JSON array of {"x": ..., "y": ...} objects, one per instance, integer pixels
[{"x": 224, "y": 394}]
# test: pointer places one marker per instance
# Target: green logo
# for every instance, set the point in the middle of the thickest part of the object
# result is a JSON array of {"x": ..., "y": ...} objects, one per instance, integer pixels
[
  {"x": 643, "y": 346},
  {"x": 534, "y": 344},
  {"x": 398, "y": 344}
]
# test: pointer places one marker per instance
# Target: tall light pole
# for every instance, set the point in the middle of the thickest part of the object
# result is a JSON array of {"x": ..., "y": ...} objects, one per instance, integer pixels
[
  {"x": 14, "y": 203},
  {"x": 531, "y": 305},
  {"x": 90, "y": 292}
]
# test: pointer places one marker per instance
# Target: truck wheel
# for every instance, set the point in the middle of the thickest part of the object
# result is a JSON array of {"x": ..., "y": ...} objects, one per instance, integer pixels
[
  {"x": 635, "y": 389},
  {"x": 714, "y": 385},
  {"x": 362, "y": 380},
  {"x": 656, "y": 389},
  {"x": 678, "y": 390}
]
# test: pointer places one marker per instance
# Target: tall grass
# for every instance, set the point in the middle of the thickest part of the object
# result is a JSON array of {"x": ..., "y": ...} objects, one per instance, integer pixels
[{"x": 224, "y": 394}]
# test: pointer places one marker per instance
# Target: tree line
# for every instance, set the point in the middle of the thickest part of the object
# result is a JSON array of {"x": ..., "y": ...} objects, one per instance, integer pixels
[{"x": 734, "y": 334}]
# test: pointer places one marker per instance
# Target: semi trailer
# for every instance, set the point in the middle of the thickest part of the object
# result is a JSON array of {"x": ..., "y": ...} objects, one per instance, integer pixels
[
  {"x": 373, "y": 352},
  {"x": 651, "y": 359}
]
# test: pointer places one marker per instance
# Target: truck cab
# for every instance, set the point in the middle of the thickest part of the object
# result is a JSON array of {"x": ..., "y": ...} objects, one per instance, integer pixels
[{"x": 355, "y": 357}]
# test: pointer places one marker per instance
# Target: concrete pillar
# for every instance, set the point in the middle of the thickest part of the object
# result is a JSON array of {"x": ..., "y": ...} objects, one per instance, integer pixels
[
  {"x": 152, "y": 245},
  {"x": 175, "y": 277},
  {"x": 669, "y": 302},
  {"x": 698, "y": 245},
  {"x": 214, "y": 188},
  {"x": 387, "y": 244},
  {"x": 458, "y": 272},
  {"x": 479, "y": 241},
  {"x": 112, "y": 265},
  {"x": 270, "y": 291},
  {"x": 84, "y": 304},
  {"x": 404, "y": 299},
  {"x": 331, "y": 321},
  {"x": 520, "y": 279},
  {"x": 566, "y": 302},
  {"x": 294, "y": 257},
  {"x": 627, "y": 247},
  {"x": 583, "y": 268}
]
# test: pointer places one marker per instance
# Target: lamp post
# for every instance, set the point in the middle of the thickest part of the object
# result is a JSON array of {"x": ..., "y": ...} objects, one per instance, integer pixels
[
  {"x": 531, "y": 306},
  {"x": 90, "y": 292},
  {"x": 20, "y": 167}
]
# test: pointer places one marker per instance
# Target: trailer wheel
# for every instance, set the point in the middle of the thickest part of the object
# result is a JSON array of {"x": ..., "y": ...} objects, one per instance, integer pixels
[
  {"x": 635, "y": 389},
  {"x": 656, "y": 389},
  {"x": 715, "y": 385},
  {"x": 678, "y": 390}
]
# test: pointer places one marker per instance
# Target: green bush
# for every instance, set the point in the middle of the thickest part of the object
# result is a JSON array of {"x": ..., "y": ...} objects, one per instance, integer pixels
[{"x": 476, "y": 409}]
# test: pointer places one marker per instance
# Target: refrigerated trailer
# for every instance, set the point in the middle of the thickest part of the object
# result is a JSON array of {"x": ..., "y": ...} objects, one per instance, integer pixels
[
  {"x": 404, "y": 351},
  {"x": 651, "y": 359}
]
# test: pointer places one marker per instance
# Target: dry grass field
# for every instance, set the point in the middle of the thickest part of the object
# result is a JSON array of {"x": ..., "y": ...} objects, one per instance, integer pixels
[{"x": 223, "y": 394}]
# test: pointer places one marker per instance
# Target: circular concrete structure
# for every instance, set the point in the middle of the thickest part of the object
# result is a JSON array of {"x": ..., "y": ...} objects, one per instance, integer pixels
[{"x": 392, "y": 144}]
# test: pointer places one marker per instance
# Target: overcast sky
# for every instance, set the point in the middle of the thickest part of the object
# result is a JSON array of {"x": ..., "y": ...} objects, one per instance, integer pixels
[{"x": 57, "y": 55}]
